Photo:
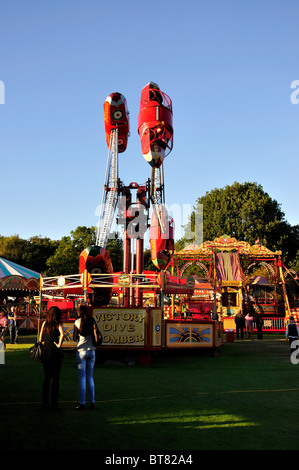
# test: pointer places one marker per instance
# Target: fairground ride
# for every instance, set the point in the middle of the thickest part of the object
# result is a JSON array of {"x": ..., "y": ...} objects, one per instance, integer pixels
[
  {"x": 131, "y": 325},
  {"x": 245, "y": 275}
]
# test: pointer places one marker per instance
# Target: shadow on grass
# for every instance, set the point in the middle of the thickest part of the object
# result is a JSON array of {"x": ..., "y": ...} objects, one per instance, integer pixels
[{"x": 242, "y": 399}]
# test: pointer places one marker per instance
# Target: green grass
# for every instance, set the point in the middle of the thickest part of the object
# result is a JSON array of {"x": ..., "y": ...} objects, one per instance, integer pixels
[{"x": 244, "y": 398}]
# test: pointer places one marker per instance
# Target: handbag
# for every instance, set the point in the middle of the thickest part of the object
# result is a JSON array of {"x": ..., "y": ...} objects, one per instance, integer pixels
[
  {"x": 35, "y": 352},
  {"x": 97, "y": 337}
]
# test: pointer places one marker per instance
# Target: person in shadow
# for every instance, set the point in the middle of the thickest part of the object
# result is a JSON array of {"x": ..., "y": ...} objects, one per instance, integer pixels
[
  {"x": 51, "y": 335},
  {"x": 240, "y": 324}
]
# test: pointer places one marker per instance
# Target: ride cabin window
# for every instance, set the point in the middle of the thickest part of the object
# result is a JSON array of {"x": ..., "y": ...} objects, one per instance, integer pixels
[{"x": 229, "y": 299}]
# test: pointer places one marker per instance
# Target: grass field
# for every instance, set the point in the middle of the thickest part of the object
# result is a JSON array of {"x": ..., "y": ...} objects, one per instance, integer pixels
[{"x": 244, "y": 398}]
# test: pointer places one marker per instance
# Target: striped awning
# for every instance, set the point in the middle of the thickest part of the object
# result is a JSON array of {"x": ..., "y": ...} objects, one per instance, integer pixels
[{"x": 8, "y": 268}]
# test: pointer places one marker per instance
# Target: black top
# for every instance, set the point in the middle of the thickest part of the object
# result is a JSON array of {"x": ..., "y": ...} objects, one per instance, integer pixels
[{"x": 51, "y": 353}]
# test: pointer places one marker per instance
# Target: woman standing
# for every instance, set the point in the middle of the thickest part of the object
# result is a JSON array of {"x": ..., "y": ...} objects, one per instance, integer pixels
[
  {"x": 249, "y": 324},
  {"x": 83, "y": 333},
  {"x": 52, "y": 335}
]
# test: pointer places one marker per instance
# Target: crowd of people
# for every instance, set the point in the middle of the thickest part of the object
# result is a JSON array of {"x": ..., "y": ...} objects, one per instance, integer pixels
[
  {"x": 245, "y": 321},
  {"x": 244, "y": 325},
  {"x": 9, "y": 323}
]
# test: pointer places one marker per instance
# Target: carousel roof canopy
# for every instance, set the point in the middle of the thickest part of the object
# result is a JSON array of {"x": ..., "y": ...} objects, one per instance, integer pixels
[
  {"x": 8, "y": 268},
  {"x": 259, "y": 281}
]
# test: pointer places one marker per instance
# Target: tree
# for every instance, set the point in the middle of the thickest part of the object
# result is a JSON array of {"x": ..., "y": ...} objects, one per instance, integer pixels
[
  {"x": 295, "y": 263},
  {"x": 83, "y": 237},
  {"x": 12, "y": 248},
  {"x": 115, "y": 248},
  {"x": 66, "y": 258},
  {"x": 32, "y": 253},
  {"x": 246, "y": 212},
  {"x": 38, "y": 250}
]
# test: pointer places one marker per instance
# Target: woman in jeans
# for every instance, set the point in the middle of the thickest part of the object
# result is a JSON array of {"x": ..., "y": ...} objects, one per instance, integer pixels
[{"x": 83, "y": 333}]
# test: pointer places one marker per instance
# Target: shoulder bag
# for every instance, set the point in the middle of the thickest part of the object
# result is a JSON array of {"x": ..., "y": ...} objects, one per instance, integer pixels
[{"x": 35, "y": 352}]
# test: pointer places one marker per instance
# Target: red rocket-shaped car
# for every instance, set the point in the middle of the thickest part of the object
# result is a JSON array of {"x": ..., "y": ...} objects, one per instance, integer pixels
[
  {"x": 161, "y": 242},
  {"x": 96, "y": 260},
  {"x": 155, "y": 124},
  {"x": 116, "y": 116}
]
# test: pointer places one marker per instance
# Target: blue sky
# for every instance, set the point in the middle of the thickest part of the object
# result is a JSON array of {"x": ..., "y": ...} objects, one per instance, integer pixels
[{"x": 227, "y": 66}]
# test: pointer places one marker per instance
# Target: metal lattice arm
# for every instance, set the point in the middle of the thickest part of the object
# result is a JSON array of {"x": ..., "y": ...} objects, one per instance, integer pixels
[{"x": 110, "y": 193}]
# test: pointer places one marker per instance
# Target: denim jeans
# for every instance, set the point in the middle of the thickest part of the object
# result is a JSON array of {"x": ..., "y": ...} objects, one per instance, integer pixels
[
  {"x": 85, "y": 361},
  {"x": 13, "y": 333}
]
